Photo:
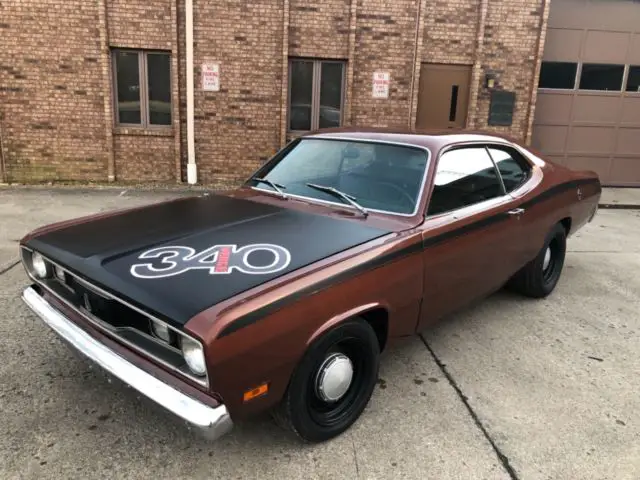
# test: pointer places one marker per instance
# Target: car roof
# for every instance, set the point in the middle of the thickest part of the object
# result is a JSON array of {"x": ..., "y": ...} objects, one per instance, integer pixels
[{"x": 432, "y": 139}]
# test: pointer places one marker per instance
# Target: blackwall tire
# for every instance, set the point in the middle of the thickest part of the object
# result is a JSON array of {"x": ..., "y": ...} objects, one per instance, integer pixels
[
  {"x": 305, "y": 409},
  {"x": 539, "y": 277}
]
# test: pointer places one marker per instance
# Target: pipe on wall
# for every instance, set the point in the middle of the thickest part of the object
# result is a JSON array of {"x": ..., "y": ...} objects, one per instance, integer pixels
[
  {"x": 192, "y": 169},
  {"x": 3, "y": 163}
]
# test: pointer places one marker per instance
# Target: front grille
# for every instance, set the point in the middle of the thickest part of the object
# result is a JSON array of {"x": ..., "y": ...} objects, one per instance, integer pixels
[
  {"x": 118, "y": 320},
  {"x": 111, "y": 312}
]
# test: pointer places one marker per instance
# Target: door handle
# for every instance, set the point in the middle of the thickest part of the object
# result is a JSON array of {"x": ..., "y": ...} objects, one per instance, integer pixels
[{"x": 516, "y": 211}]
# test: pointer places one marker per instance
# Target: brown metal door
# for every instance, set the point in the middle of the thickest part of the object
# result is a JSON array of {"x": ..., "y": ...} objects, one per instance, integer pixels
[{"x": 443, "y": 96}]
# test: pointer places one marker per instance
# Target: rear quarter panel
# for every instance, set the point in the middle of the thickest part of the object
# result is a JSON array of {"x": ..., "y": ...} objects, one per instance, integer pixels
[{"x": 556, "y": 194}]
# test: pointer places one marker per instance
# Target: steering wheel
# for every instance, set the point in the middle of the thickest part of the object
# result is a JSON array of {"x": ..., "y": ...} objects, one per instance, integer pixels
[{"x": 406, "y": 198}]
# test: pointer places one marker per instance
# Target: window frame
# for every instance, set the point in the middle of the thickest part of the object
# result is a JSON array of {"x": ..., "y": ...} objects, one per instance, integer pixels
[
  {"x": 315, "y": 91},
  {"x": 626, "y": 79},
  {"x": 623, "y": 79},
  {"x": 518, "y": 158},
  {"x": 488, "y": 203},
  {"x": 576, "y": 76},
  {"x": 264, "y": 169},
  {"x": 143, "y": 75}
]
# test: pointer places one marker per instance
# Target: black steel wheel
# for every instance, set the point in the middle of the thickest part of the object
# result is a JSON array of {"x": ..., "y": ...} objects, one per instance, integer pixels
[
  {"x": 332, "y": 384},
  {"x": 540, "y": 276}
]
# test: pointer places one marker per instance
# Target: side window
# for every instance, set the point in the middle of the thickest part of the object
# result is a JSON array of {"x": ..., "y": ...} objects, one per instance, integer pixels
[
  {"x": 464, "y": 176},
  {"x": 514, "y": 170}
]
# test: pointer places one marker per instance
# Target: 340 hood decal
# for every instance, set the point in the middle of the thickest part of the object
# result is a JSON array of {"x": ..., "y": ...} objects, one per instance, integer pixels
[{"x": 168, "y": 261}]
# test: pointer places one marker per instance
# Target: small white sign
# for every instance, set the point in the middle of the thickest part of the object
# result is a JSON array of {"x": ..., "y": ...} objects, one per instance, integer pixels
[
  {"x": 381, "y": 81},
  {"x": 211, "y": 77}
]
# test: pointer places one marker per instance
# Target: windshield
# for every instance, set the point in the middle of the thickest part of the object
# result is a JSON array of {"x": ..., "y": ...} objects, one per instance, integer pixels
[{"x": 378, "y": 176}]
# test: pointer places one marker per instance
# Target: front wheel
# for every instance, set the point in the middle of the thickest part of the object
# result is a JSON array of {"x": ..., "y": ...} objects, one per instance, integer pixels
[
  {"x": 539, "y": 277},
  {"x": 333, "y": 383}
]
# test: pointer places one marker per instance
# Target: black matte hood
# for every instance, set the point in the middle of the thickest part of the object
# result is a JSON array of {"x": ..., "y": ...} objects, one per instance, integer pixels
[{"x": 178, "y": 258}]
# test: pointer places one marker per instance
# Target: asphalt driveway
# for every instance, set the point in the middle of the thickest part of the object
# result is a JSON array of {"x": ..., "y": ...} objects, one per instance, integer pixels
[{"x": 509, "y": 388}]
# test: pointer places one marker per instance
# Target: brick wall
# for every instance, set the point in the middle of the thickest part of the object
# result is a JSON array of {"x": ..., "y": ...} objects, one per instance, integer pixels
[
  {"x": 140, "y": 23},
  {"x": 56, "y": 104},
  {"x": 146, "y": 25},
  {"x": 51, "y": 95},
  {"x": 450, "y": 31},
  {"x": 144, "y": 158},
  {"x": 510, "y": 48},
  {"x": 385, "y": 40},
  {"x": 319, "y": 28},
  {"x": 237, "y": 128}
]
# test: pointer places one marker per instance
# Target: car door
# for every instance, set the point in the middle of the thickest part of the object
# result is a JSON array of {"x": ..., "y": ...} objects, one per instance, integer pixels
[
  {"x": 472, "y": 234},
  {"x": 516, "y": 173}
]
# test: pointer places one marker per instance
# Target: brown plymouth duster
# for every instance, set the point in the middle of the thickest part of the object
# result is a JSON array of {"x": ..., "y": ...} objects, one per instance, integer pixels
[{"x": 282, "y": 294}]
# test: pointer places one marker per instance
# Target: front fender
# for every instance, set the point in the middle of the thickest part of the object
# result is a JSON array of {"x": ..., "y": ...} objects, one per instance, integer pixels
[{"x": 344, "y": 316}]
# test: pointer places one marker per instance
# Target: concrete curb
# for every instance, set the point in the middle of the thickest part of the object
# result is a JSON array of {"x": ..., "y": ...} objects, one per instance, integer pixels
[{"x": 619, "y": 206}]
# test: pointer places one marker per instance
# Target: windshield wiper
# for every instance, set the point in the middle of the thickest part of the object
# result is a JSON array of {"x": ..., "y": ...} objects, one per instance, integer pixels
[
  {"x": 276, "y": 186},
  {"x": 344, "y": 196}
]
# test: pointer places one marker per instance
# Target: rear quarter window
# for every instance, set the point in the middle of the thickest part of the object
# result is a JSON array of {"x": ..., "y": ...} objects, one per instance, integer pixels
[{"x": 513, "y": 169}]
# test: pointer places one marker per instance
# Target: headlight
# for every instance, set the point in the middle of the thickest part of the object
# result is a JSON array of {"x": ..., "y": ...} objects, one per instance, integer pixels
[
  {"x": 39, "y": 265},
  {"x": 194, "y": 356},
  {"x": 161, "y": 331}
]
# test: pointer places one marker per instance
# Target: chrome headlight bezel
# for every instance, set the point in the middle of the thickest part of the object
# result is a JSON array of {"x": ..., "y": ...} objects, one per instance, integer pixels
[
  {"x": 38, "y": 266},
  {"x": 193, "y": 354},
  {"x": 162, "y": 331}
]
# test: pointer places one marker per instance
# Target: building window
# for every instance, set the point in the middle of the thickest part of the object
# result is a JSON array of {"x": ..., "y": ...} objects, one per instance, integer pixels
[
  {"x": 558, "y": 75},
  {"x": 316, "y": 94},
  {"x": 142, "y": 88},
  {"x": 633, "y": 82},
  {"x": 599, "y": 76}
]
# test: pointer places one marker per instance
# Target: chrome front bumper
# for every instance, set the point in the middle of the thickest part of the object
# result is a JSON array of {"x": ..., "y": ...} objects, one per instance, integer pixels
[{"x": 212, "y": 422}]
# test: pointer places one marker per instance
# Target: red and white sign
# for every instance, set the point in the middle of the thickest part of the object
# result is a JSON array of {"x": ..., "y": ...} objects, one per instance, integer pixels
[
  {"x": 211, "y": 77},
  {"x": 381, "y": 81}
]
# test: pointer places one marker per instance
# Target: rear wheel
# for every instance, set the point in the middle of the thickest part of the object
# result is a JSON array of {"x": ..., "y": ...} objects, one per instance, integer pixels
[
  {"x": 539, "y": 277},
  {"x": 333, "y": 383}
]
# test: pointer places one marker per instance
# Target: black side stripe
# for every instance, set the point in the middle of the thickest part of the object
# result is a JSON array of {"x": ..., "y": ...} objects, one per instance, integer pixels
[
  {"x": 260, "y": 313},
  {"x": 558, "y": 189},
  {"x": 267, "y": 310}
]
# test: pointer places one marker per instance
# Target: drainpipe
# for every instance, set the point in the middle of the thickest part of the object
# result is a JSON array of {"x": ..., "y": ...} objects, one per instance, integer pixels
[
  {"x": 3, "y": 163},
  {"x": 192, "y": 169}
]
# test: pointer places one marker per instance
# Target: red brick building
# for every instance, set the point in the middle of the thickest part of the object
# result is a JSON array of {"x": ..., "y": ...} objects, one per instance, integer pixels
[{"x": 97, "y": 91}]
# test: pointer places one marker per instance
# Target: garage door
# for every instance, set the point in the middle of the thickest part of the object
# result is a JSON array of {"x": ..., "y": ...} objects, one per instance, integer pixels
[{"x": 588, "y": 107}]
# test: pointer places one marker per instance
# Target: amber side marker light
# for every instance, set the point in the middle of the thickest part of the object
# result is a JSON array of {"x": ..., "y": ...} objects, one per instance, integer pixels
[{"x": 256, "y": 392}]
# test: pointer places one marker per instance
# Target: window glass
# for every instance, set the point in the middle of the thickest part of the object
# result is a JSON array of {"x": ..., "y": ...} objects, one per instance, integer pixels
[
  {"x": 300, "y": 95},
  {"x": 330, "y": 94},
  {"x": 128, "y": 81},
  {"x": 598, "y": 76},
  {"x": 315, "y": 94},
  {"x": 512, "y": 168},
  {"x": 159, "y": 82},
  {"x": 464, "y": 177},
  {"x": 633, "y": 82},
  {"x": 379, "y": 176},
  {"x": 560, "y": 75}
]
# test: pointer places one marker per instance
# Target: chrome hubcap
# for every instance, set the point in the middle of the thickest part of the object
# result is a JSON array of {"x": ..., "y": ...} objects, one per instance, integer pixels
[
  {"x": 547, "y": 259},
  {"x": 334, "y": 377}
]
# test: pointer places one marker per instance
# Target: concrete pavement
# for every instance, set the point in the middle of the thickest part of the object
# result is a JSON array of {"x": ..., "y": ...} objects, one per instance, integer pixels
[
  {"x": 509, "y": 388},
  {"x": 620, "y": 198}
]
